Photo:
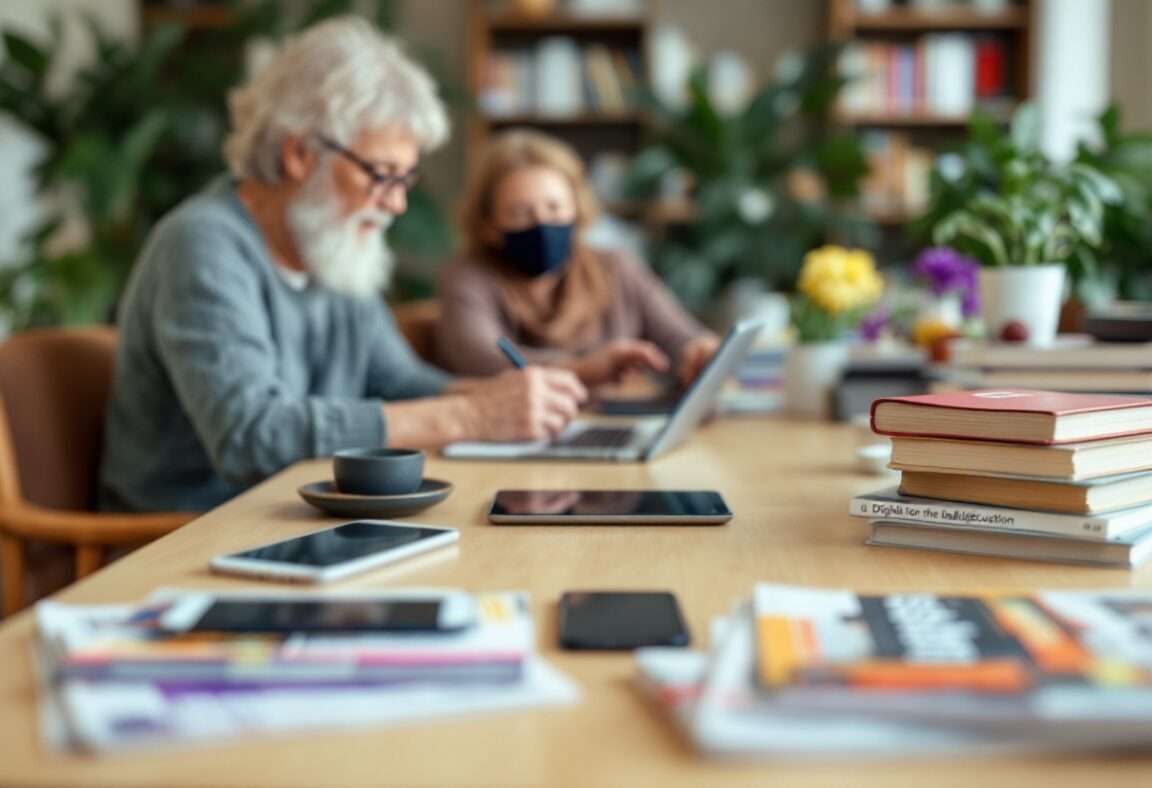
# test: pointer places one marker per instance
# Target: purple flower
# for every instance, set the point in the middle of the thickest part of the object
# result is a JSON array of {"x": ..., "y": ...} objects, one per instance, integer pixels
[
  {"x": 948, "y": 271},
  {"x": 873, "y": 325}
]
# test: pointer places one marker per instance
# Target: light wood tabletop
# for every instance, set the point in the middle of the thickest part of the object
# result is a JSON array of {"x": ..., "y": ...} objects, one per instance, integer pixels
[{"x": 789, "y": 484}]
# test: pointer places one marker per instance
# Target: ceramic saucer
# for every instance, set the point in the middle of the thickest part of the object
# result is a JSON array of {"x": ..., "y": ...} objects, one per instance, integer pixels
[{"x": 325, "y": 497}]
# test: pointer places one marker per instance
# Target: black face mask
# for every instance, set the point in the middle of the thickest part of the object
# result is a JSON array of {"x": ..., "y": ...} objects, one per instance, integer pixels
[{"x": 540, "y": 249}]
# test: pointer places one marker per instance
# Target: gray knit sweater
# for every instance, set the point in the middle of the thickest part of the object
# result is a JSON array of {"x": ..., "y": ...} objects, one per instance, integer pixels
[{"x": 225, "y": 373}]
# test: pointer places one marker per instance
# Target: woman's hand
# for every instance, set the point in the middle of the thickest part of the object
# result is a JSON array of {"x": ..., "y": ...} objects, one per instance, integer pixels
[
  {"x": 695, "y": 356},
  {"x": 611, "y": 362}
]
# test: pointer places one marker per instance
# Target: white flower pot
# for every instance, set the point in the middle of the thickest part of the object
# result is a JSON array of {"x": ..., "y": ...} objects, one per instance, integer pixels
[
  {"x": 1028, "y": 294},
  {"x": 810, "y": 372}
]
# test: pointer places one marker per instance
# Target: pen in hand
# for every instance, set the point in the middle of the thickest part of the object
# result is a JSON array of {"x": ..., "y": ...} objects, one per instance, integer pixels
[{"x": 511, "y": 352}]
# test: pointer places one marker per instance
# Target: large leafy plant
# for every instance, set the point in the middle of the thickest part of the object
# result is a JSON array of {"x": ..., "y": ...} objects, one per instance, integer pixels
[
  {"x": 1005, "y": 203},
  {"x": 136, "y": 131},
  {"x": 1125, "y": 157},
  {"x": 749, "y": 218}
]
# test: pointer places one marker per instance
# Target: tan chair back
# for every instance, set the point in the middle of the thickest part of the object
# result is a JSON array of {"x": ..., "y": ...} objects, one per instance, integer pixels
[
  {"x": 54, "y": 386},
  {"x": 417, "y": 322}
]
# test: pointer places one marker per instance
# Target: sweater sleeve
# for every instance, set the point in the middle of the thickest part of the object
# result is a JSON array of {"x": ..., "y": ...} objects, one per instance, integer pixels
[
  {"x": 663, "y": 321},
  {"x": 394, "y": 370},
  {"x": 213, "y": 337},
  {"x": 470, "y": 322}
]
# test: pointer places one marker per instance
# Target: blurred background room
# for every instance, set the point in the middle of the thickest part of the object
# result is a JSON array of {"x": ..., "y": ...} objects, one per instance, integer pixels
[{"x": 855, "y": 172}]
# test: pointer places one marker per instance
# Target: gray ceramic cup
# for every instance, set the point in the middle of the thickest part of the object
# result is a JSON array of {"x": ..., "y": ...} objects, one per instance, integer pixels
[{"x": 378, "y": 471}]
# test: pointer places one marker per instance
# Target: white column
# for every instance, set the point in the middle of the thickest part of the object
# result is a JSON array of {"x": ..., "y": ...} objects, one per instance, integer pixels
[{"x": 1070, "y": 73}]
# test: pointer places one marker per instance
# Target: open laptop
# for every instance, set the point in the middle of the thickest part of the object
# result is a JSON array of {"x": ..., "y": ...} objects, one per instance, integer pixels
[{"x": 630, "y": 440}]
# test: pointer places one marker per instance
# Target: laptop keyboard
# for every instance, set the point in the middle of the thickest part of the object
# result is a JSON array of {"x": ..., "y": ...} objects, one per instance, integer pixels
[{"x": 598, "y": 438}]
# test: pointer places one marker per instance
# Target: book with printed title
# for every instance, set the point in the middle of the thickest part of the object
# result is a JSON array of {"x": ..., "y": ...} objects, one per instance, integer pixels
[{"x": 890, "y": 504}]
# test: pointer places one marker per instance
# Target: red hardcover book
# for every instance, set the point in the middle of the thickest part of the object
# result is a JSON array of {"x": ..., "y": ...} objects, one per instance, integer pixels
[
  {"x": 990, "y": 68},
  {"x": 1013, "y": 416}
]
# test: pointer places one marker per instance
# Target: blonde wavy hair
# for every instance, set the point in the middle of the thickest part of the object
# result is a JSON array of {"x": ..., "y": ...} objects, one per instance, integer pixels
[
  {"x": 336, "y": 78},
  {"x": 516, "y": 150}
]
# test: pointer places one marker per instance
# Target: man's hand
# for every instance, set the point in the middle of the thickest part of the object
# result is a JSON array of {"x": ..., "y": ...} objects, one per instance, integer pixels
[
  {"x": 522, "y": 405},
  {"x": 695, "y": 356},
  {"x": 611, "y": 362}
]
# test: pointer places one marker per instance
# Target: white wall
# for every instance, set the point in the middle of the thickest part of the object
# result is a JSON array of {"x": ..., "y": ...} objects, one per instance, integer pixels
[{"x": 18, "y": 150}]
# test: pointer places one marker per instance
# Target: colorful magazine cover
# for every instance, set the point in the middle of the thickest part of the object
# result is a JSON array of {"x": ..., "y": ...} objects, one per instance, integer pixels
[{"x": 1045, "y": 655}]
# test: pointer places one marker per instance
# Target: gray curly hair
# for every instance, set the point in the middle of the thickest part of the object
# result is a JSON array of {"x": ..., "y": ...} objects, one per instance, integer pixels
[{"x": 335, "y": 78}]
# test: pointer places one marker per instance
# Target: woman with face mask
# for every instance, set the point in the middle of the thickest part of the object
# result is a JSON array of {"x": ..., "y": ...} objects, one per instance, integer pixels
[{"x": 527, "y": 275}]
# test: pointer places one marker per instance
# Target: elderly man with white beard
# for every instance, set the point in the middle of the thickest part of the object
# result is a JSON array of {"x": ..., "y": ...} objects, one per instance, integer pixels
[{"x": 252, "y": 332}]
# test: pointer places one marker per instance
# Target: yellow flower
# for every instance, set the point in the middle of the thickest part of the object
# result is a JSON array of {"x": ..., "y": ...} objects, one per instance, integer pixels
[{"x": 840, "y": 280}]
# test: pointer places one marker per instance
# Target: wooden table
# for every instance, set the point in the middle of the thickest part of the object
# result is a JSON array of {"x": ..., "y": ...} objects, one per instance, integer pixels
[{"x": 789, "y": 484}]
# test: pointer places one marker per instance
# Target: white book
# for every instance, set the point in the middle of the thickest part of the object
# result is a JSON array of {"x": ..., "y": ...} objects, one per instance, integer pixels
[
  {"x": 1127, "y": 551},
  {"x": 950, "y": 88},
  {"x": 853, "y": 65},
  {"x": 889, "y": 504},
  {"x": 559, "y": 87}
]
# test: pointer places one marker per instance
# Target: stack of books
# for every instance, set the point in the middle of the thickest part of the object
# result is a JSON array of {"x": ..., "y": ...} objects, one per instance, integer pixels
[
  {"x": 823, "y": 672},
  {"x": 115, "y": 680},
  {"x": 1017, "y": 473},
  {"x": 1072, "y": 363}
]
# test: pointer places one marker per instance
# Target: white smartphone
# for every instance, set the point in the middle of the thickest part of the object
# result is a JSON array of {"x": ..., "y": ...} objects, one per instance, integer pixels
[
  {"x": 617, "y": 507},
  {"x": 391, "y": 611},
  {"x": 334, "y": 553}
]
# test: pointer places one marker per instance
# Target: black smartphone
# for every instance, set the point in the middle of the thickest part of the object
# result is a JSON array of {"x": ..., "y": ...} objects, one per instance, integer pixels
[
  {"x": 620, "y": 620},
  {"x": 619, "y": 507}
]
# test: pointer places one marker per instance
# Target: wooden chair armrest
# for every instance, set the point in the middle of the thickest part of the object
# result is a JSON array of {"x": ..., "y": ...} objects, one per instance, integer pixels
[{"x": 88, "y": 528}]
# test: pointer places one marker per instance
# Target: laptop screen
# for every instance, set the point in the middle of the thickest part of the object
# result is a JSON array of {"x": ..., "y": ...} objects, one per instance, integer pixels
[{"x": 700, "y": 397}]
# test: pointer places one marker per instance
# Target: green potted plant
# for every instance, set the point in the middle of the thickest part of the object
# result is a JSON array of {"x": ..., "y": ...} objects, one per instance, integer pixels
[
  {"x": 1028, "y": 221},
  {"x": 1126, "y": 259},
  {"x": 138, "y": 130},
  {"x": 767, "y": 181}
]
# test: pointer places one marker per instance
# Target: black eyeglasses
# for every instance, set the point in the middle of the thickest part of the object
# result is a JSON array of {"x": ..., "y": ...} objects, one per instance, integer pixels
[{"x": 380, "y": 180}]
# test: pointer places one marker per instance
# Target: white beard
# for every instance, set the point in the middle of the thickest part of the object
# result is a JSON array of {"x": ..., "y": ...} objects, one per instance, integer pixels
[{"x": 334, "y": 248}]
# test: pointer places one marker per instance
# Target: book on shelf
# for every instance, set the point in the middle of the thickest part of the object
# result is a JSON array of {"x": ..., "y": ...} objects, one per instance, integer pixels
[
  {"x": 560, "y": 78},
  {"x": 899, "y": 174},
  {"x": 1087, "y": 496},
  {"x": 890, "y": 504},
  {"x": 939, "y": 74},
  {"x": 1069, "y": 351},
  {"x": 1064, "y": 461},
  {"x": 1013, "y": 415},
  {"x": 1070, "y": 661},
  {"x": 1127, "y": 551}
]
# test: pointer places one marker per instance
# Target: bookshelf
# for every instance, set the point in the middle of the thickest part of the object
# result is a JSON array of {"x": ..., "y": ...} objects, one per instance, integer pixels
[
  {"x": 594, "y": 67},
  {"x": 193, "y": 17},
  {"x": 921, "y": 71}
]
